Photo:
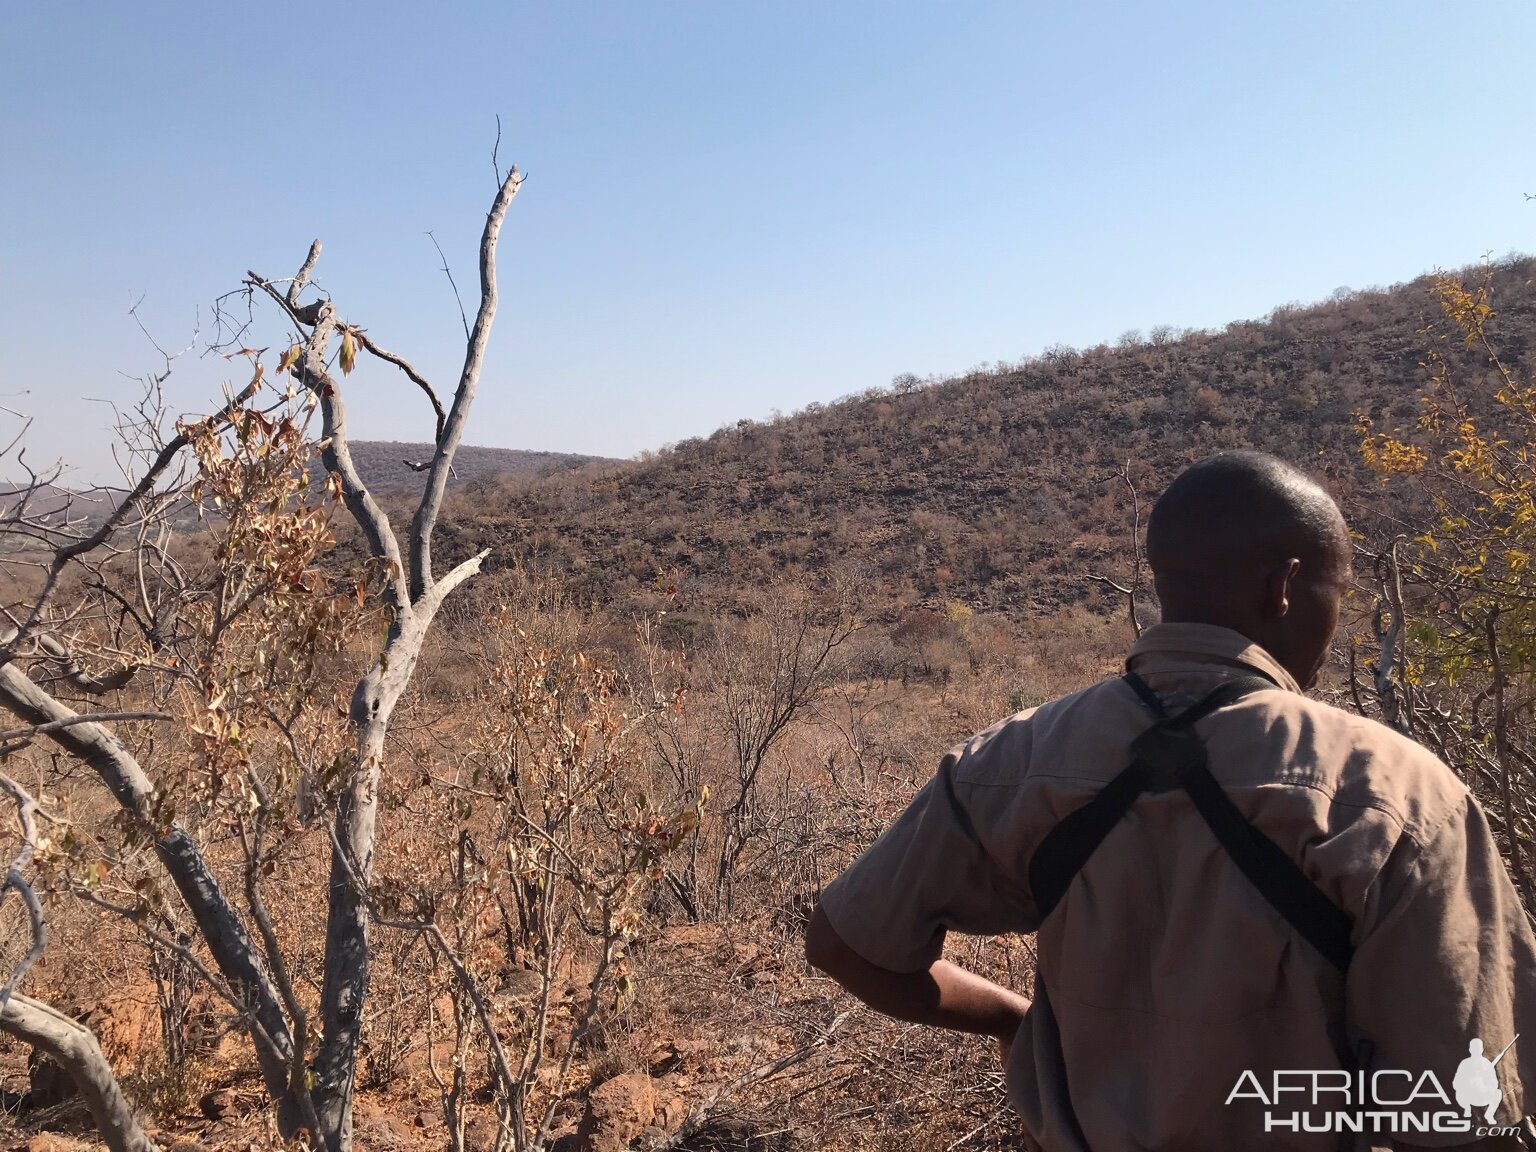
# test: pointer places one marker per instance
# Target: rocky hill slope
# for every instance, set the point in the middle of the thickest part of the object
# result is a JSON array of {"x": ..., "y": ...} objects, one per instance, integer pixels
[{"x": 997, "y": 489}]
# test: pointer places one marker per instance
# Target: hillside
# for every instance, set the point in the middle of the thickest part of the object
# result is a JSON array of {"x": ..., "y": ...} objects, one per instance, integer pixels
[
  {"x": 50, "y": 501},
  {"x": 994, "y": 489}
]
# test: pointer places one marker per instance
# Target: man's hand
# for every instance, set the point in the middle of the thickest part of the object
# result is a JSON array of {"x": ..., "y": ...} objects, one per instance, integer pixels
[{"x": 945, "y": 996}]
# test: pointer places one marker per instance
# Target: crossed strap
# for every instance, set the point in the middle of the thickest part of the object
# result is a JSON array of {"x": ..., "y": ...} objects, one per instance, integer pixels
[{"x": 1167, "y": 756}]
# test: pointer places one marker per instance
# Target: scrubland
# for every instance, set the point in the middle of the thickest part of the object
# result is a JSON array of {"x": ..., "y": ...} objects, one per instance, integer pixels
[{"x": 665, "y": 702}]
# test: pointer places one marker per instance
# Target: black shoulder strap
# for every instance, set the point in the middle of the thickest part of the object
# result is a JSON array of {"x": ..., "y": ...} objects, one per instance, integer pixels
[{"x": 1169, "y": 755}]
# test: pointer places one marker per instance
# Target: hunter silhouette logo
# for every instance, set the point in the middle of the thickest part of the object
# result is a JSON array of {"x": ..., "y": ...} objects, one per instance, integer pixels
[{"x": 1477, "y": 1080}]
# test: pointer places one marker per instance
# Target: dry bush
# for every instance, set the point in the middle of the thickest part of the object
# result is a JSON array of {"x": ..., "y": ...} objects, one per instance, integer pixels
[
  {"x": 525, "y": 852},
  {"x": 1454, "y": 608}
]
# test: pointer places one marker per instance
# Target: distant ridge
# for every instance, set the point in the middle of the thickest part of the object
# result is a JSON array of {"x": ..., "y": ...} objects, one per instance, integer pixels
[
  {"x": 382, "y": 464},
  {"x": 384, "y": 468}
]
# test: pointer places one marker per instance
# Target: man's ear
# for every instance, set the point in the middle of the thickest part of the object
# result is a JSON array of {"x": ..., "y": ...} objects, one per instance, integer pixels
[{"x": 1279, "y": 586}]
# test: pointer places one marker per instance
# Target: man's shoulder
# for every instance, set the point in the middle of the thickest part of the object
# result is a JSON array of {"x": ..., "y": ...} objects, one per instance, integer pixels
[
  {"x": 1357, "y": 728},
  {"x": 1003, "y": 752},
  {"x": 1358, "y": 762},
  {"x": 1361, "y": 761}
]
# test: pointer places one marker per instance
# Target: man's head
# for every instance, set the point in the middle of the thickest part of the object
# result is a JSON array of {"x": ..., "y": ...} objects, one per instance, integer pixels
[{"x": 1248, "y": 542}]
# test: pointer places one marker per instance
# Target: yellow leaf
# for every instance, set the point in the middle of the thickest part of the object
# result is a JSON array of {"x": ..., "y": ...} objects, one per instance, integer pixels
[{"x": 348, "y": 352}]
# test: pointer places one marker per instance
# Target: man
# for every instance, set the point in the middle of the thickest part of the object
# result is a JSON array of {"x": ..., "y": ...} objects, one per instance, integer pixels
[
  {"x": 1477, "y": 1082},
  {"x": 1187, "y": 972}
]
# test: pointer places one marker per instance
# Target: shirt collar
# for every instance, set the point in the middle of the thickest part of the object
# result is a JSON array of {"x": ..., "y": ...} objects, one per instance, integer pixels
[{"x": 1184, "y": 646}]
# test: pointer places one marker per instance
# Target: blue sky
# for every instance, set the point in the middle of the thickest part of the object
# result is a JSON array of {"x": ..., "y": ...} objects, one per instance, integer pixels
[{"x": 731, "y": 207}]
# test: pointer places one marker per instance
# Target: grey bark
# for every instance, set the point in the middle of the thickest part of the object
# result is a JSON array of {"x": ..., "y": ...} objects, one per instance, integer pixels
[
  {"x": 1389, "y": 637},
  {"x": 73, "y": 1047},
  {"x": 415, "y": 597},
  {"x": 220, "y": 926}
]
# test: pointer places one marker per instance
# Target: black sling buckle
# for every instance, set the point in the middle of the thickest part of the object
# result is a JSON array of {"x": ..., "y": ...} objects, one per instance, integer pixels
[{"x": 1171, "y": 755}]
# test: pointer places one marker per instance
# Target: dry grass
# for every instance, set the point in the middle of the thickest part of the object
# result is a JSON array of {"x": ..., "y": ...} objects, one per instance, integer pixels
[{"x": 712, "y": 1001}]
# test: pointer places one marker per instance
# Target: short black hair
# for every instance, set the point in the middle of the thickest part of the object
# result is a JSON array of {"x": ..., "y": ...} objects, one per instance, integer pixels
[{"x": 1243, "y": 505}]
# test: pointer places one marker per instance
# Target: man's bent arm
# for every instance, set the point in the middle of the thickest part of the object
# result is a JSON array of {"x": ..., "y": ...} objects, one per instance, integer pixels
[{"x": 944, "y": 996}]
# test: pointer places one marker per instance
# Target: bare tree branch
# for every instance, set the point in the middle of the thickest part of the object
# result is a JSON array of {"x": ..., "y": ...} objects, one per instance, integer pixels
[
  {"x": 1387, "y": 619},
  {"x": 73, "y": 1047},
  {"x": 1130, "y": 593},
  {"x": 20, "y": 737},
  {"x": 16, "y": 881},
  {"x": 469, "y": 379},
  {"x": 167, "y": 455},
  {"x": 72, "y": 674},
  {"x": 335, "y": 451},
  {"x": 416, "y": 378},
  {"x": 302, "y": 278},
  {"x": 448, "y": 272}
]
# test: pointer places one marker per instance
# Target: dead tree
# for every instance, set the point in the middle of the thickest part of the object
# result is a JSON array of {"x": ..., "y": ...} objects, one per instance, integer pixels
[
  {"x": 1123, "y": 473},
  {"x": 414, "y": 592},
  {"x": 1387, "y": 619},
  {"x": 309, "y": 1072},
  {"x": 770, "y": 673}
]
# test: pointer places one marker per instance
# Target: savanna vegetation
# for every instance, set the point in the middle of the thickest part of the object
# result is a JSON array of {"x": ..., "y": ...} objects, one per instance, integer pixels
[
  {"x": 393, "y": 820},
  {"x": 998, "y": 488}
]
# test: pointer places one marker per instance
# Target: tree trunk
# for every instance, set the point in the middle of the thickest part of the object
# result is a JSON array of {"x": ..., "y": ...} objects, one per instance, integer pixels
[
  {"x": 345, "y": 987},
  {"x": 347, "y": 959},
  {"x": 220, "y": 925},
  {"x": 73, "y": 1047}
]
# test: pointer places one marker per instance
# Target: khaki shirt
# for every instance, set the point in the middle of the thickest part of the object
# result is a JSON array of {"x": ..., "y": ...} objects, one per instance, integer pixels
[{"x": 1164, "y": 976}]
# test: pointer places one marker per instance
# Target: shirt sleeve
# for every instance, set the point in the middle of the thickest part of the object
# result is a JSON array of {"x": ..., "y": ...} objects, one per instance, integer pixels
[
  {"x": 928, "y": 873},
  {"x": 1447, "y": 955}
]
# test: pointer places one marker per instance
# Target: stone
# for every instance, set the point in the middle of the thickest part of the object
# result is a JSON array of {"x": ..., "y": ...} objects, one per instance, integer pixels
[
  {"x": 480, "y": 1133},
  {"x": 670, "y": 1115},
  {"x": 217, "y": 1104},
  {"x": 617, "y": 1111},
  {"x": 377, "y": 1131}
]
